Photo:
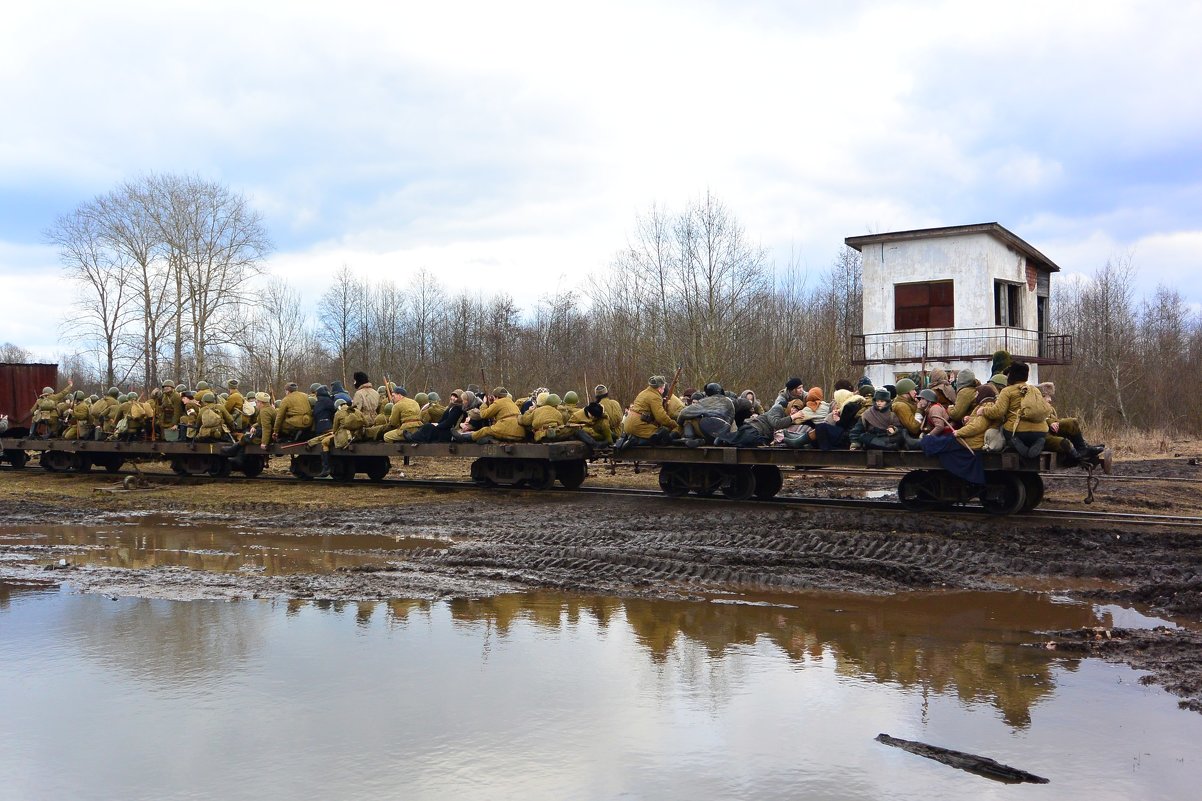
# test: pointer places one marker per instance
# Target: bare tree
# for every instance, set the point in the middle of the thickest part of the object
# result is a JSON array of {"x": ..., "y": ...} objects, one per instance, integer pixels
[
  {"x": 277, "y": 342},
  {"x": 105, "y": 304},
  {"x": 338, "y": 312},
  {"x": 10, "y": 353}
]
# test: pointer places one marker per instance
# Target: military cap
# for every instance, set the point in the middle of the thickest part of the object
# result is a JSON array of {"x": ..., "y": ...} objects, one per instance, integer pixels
[
  {"x": 208, "y": 397},
  {"x": 571, "y": 397},
  {"x": 600, "y": 390},
  {"x": 262, "y": 397},
  {"x": 905, "y": 386},
  {"x": 399, "y": 390},
  {"x": 187, "y": 393},
  {"x": 499, "y": 392},
  {"x": 657, "y": 381},
  {"x": 553, "y": 399},
  {"x": 93, "y": 397},
  {"x": 168, "y": 383},
  {"x": 882, "y": 394},
  {"x": 201, "y": 386},
  {"x": 233, "y": 382},
  {"x": 291, "y": 387}
]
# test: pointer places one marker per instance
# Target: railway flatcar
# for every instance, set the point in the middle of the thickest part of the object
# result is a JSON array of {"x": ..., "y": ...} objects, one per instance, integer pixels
[{"x": 1012, "y": 484}]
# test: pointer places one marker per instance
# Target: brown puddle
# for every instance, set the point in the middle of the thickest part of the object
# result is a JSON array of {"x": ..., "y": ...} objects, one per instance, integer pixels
[{"x": 213, "y": 548}]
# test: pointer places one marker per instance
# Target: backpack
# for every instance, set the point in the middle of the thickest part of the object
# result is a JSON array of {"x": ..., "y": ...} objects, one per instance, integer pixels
[
  {"x": 47, "y": 405},
  {"x": 137, "y": 411},
  {"x": 1033, "y": 408},
  {"x": 210, "y": 417}
]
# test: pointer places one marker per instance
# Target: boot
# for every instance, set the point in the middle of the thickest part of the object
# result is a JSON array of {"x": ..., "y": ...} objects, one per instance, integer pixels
[
  {"x": 325, "y": 465},
  {"x": 461, "y": 436},
  {"x": 621, "y": 443},
  {"x": 693, "y": 442},
  {"x": 233, "y": 450},
  {"x": 1071, "y": 456}
]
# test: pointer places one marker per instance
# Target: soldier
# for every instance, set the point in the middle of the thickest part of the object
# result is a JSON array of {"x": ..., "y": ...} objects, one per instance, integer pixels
[
  {"x": 295, "y": 416},
  {"x": 1022, "y": 411},
  {"x": 45, "y": 411},
  {"x": 647, "y": 421},
  {"x": 81, "y": 425},
  {"x": 613, "y": 409},
  {"x": 133, "y": 416},
  {"x": 234, "y": 404},
  {"x": 406, "y": 416},
  {"x": 545, "y": 421},
  {"x": 591, "y": 426},
  {"x": 707, "y": 418},
  {"x": 905, "y": 406},
  {"x": 367, "y": 397},
  {"x": 966, "y": 395},
  {"x": 434, "y": 410},
  {"x": 215, "y": 422},
  {"x": 503, "y": 413},
  {"x": 1064, "y": 433},
  {"x": 570, "y": 405},
  {"x": 170, "y": 410},
  {"x": 348, "y": 427}
]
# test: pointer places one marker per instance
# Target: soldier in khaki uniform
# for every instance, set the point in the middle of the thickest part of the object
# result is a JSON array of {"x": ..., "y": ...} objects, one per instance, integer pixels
[
  {"x": 1064, "y": 433},
  {"x": 570, "y": 405},
  {"x": 544, "y": 420},
  {"x": 367, "y": 397},
  {"x": 1027, "y": 436},
  {"x": 905, "y": 406},
  {"x": 646, "y": 418},
  {"x": 81, "y": 424},
  {"x": 406, "y": 416},
  {"x": 613, "y": 409},
  {"x": 170, "y": 410},
  {"x": 234, "y": 404},
  {"x": 215, "y": 422},
  {"x": 433, "y": 411},
  {"x": 591, "y": 426},
  {"x": 45, "y": 411},
  {"x": 504, "y": 414},
  {"x": 295, "y": 416}
]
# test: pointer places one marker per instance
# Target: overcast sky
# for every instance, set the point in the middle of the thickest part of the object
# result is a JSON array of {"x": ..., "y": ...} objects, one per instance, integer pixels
[{"x": 510, "y": 146}]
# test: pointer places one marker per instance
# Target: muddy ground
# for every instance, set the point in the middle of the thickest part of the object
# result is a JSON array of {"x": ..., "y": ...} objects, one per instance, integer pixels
[{"x": 480, "y": 542}]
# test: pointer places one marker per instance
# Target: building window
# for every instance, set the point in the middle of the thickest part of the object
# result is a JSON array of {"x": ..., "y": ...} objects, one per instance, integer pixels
[
  {"x": 929, "y": 305},
  {"x": 1007, "y": 304}
]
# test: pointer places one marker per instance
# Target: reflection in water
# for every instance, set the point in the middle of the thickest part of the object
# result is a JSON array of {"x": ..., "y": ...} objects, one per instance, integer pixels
[
  {"x": 212, "y": 548},
  {"x": 550, "y": 696}
]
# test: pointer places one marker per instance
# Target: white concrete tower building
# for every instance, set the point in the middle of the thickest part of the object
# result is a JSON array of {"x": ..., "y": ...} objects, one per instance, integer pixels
[{"x": 951, "y": 297}]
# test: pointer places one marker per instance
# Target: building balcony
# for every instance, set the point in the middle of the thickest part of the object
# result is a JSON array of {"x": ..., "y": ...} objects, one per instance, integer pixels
[{"x": 943, "y": 345}]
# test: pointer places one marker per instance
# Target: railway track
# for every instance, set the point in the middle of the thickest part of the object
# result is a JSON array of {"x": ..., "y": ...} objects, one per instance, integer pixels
[{"x": 781, "y": 501}]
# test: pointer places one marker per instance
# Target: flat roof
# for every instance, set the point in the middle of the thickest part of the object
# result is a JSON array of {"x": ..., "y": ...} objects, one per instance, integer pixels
[{"x": 991, "y": 228}]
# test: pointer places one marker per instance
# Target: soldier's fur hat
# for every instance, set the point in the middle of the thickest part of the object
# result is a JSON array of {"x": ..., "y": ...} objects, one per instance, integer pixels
[
  {"x": 656, "y": 381},
  {"x": 499, "y": 392},
  {"x": 1048, "y": 389},
  {"x": 1017, "y": 373},
  {"x": 262, "y": 397},
  {"x": 600, "y": 390},
  {"x": 594, "y": 410},
  {"x": 233, "y": 382},
  {"x": 361, "y": 379},
  {"x": 292, "y": 387}
]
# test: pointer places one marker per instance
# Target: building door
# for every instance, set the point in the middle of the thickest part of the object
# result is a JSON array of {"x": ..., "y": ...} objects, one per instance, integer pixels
[{"x": 1041, "y": 320}]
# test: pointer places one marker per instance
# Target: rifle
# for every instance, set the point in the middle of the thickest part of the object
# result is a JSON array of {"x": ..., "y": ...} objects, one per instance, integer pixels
[{"x": 672, "y": 387}]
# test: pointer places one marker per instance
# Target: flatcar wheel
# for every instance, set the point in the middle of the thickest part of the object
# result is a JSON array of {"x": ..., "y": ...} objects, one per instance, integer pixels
[
  {"x": 342, "y": 468},
  {"x": 571, "y": 474},
  {"x": 377, "y": 467},
  {"x": 482, "y": 473},
  {"x": 56, "y": 461},
  {"x": 1033, "y": 484},
  {"x": 704, "y": 480},
  {"x": 306, "y": 466},
  {"x": 740, "y": 484},
  {"x": 81, "y": 463},
  {"x": 919, "y": 491},
  {"x": 1004, "y": 493},
  {"x": 113, "y": 465},
  {"x": 252, "y": 466},
  {"x": 16, "y": 458},
  {"x": 218, "y": 467},
  {"x": 674, "y": 479},
  {"x": 178, "y": 468},
  {"x": 542, "y": 474},
  {"x": 768, "y": 481}
]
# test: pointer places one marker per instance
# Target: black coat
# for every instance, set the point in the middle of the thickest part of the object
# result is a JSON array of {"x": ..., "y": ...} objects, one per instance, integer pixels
[{"x": 323, "y": 412}]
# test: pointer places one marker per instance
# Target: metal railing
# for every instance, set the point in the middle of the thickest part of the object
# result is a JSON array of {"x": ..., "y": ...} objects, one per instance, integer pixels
[{"x": 961, "y": 344}]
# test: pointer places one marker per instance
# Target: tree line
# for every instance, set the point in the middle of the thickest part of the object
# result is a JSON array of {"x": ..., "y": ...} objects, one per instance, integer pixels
[{"x": 172, "y": 285}]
